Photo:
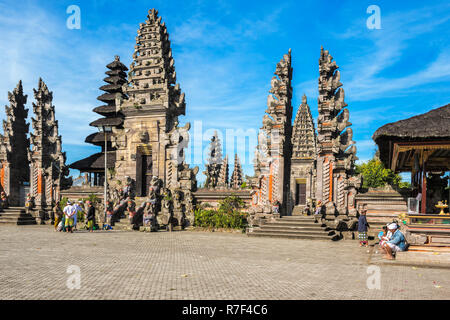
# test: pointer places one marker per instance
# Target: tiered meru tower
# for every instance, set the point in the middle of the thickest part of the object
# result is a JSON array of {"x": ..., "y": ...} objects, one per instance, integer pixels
[
  {"x": 150, "y": 143},
  {"x": 14, "y": 145},
  {"x": 303, "y": 162},
  {"x": 47, "y": 161},
  {"x": 273, "y": 153},
  {"x": 337, "y": 183},
  {"x": 217, "y": 168},
  {"x": 94, "y": 165}
]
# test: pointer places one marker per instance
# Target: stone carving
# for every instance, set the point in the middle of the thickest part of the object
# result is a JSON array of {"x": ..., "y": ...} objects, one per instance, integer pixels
[
  {"x": 166, "y": 208},
  {"x": 336, "y": 149},
  {"x": 152, "y": 205},
  {"x": 14, "y": 145},
  {"x": 273, "y": 152},
  {"x": 178, "y": 214},
  {"x": 214, "y": 165},
  {"x": 131, "y": 211},
  {"x": 47, "y": 168},
  {"x": 223, "y": 174},
  {"x": 189, "y": 208},
  {"x": 236, "y": 177}
]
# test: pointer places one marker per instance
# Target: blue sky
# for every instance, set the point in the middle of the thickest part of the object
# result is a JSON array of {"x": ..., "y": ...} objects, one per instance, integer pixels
[{"x": 225, "y": 55}]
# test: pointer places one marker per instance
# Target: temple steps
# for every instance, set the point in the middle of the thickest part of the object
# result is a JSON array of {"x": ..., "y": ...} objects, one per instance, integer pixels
[
  {"x": 288, "y": 236},
  {"x": 16, "y": 215},
  {"x": 297, "y": 223},
  {"x": 124, "y": 226},
  {"x": 295, "y": 227}
]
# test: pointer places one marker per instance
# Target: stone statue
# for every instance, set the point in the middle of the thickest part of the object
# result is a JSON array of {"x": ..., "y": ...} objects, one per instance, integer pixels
[
  {"x": 178, "y": 214},
  {"x": 189, "y": 208},
  {"x": 167, "y": 209}
]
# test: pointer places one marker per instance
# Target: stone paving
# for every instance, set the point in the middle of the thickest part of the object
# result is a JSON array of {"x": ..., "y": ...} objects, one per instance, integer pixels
[{"x": 199, "y": 265}]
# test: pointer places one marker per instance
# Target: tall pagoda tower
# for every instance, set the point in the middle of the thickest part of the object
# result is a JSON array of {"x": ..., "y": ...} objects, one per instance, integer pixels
[
  {"x": 94, "y": 165},
  {"x": 14, "y": 145},
  {"x": 273, "y": 153},
  {"x": 336, "y": 180},
  {"x": 303, "y": 162},
  {"x": 237, "y": 175},
  {"x": 223, "y": 174},
  {"x": 151, "y": 143},
  {"x": 213, "y": 168},
  {"x": 47, "y": 161}
]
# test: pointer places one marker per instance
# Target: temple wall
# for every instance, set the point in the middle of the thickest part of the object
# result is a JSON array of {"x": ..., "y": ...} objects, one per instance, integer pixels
[{"x": 213, "y": 197}]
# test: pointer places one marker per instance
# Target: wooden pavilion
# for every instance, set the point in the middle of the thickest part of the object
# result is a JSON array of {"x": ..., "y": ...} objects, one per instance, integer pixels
[{"x": 421, "y": 145}]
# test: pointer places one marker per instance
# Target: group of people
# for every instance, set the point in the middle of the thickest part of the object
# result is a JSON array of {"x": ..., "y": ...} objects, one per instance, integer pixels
[
  {"x": 391, "y": 239},
  {"x": 66, "y": 220}
]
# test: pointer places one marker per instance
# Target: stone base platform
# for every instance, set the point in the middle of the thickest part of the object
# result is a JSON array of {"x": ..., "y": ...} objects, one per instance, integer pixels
[
  {"x": 17, "y": 216},
  {"x": 294, "y": 227}
]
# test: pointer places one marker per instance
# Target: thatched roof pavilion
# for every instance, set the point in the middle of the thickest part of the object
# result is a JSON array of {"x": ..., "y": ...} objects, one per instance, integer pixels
[
  {"x": 420, "y": 145},
  {"x": 427, "y": 134}
]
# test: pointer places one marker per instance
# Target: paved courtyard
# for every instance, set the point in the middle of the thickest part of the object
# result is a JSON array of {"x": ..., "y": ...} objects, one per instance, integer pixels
[{"x": 199, "y": 265}]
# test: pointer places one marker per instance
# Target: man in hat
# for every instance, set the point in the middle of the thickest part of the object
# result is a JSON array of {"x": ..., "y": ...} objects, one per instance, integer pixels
[
  {"x": 396, "y": 243},
  {"x": 69, "y": 212}
]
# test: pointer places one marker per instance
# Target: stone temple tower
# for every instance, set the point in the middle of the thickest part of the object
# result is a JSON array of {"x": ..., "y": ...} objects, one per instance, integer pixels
[
  {"x": 303, "y": 162},
  {"x": 151, "y": 143},
  {"x": 47, "y": 161},
  {"x": 336, "y": 180},
  {"x": 14, "y": 145},
  {"x": 273, "y": 153}
]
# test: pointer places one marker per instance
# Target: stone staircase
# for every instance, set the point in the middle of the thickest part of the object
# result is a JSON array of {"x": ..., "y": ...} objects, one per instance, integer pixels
[
  {"x": 123, "y": 225},
  {"x": 16, "y": 215},
  {"x": 295, "y": 227},
  {"x": 383, "y": 206}
]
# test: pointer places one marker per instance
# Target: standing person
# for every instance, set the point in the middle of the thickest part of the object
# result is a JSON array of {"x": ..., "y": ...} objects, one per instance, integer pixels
[
  {"x": 90, "y": 217},
  {"x": 57, "y": 214},
  {"x": 69, "y": 212},
  {"x": 362, "y": 229},
  {"x": 79, "y": 211},
  {"x": 109, "y": 215}
]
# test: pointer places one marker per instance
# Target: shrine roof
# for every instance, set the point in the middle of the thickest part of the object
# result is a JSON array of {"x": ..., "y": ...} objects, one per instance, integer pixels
[
  {"x": 107, "y": 121},
  {"x": 105, "y": 109},
  {"x": 95, "y": 162},
  {"x": 116, "y": 64},
  {"x": 98, "y": 138},
  {"x": 431, "y": 125},
  {"x": 111, "y": 87}
]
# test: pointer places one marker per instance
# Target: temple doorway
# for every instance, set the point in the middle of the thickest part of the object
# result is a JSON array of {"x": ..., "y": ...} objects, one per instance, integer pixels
[
  {"x": 300, "y": 192},
  {"x": 144, "y": 171},
  {"x": 24, "y": 189}
]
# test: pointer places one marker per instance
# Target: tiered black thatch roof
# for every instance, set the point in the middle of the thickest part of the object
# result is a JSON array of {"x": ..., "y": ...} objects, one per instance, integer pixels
[
  {"x": 116, "y": 77},
  {"x": 95, "y": 162}
]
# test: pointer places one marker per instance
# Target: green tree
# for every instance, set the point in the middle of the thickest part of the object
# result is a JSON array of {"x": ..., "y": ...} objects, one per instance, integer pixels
[{"x": 375, "y": 175}]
